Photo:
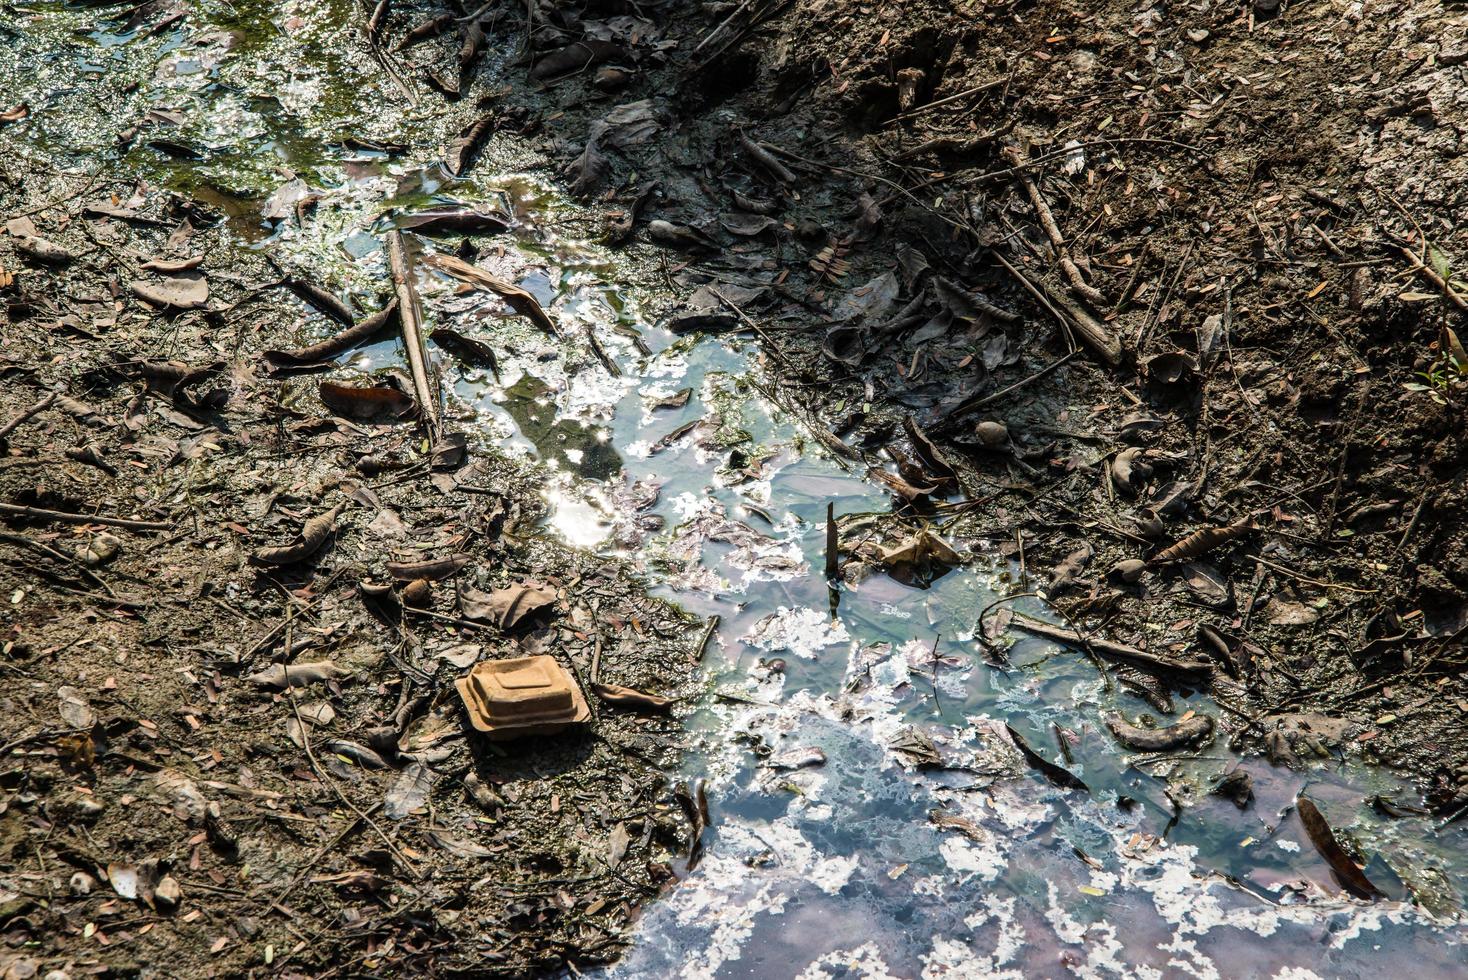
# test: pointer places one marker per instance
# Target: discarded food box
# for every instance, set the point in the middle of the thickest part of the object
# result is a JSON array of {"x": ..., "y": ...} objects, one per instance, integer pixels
[{"x": 525, "y": 696}]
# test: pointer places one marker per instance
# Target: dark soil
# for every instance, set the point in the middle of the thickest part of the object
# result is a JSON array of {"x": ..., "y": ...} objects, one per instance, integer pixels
[
  {"x": 1242, "y": 191},
  {"x": 136, "y": 741}
]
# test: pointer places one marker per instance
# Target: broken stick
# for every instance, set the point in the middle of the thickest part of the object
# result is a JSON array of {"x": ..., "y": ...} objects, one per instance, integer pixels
[
  {"x": 410, "y": 315},
  {"x": 1047, "y": 221}
]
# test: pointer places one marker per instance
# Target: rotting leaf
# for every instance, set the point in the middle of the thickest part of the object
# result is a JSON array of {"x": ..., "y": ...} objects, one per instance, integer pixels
[
  {"x": 505, "y": 607},
  {"x": 917, "y": 748},
  {"x": 520, "y": 300},
  {"x": 313, "y": 535},
  {"x": 474, "y": 353},
  {"x": 44, "y": 251},
  {"x": 626, "y": 697},
  {"x": 577, "y": 57},
  {"x": 899, "y": 486},
  {"x": 617, "y": 843},
  {"x": 431, "y": 569},
  {"x": 1190, "y": 731},
  {"x": 297, "y": 675},
  {"x": 1324, "y": 839},
  {"x": 944, "y": 820},
  {"x": 1052, "y": 772},
  {"x": 366, "y": 403},
  {"x": 928, "y": 452},
  {"x": 463, "y": 148}
]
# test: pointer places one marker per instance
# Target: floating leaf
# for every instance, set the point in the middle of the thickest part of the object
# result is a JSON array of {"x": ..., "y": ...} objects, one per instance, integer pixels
[
  {"x": 520, "y": 300},
  {"x": 1052, "y": 772}
]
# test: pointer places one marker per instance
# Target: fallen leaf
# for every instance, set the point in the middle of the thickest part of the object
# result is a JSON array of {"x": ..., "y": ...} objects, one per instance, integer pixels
[
  {"x": 313, "y": 535},
  {"x": 1324, "y": 839},
  {"x": 297, "y": 675},
  {"x": 626, "y": 697},
  {"x": 431, "y": 569},
  {"x": 505, "y": 607},
  {"x": 74, "y": 709},
  {"x": 519, "y": 299},
  {"x": 180, "y": 292},
  {"x": 366, "y": 403},
  {"x": 408, "y": 792}
]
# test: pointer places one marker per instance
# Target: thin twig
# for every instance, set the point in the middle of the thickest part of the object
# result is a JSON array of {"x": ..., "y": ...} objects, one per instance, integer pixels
[{"x": 1047, "y": 221}]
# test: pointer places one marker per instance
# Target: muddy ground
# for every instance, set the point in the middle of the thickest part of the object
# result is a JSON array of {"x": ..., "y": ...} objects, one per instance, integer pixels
[{"x": 1244, "y": 326}]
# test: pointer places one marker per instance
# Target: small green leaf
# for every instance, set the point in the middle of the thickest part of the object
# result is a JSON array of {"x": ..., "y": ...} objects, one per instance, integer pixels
[{"x": 1439, "y": 262}]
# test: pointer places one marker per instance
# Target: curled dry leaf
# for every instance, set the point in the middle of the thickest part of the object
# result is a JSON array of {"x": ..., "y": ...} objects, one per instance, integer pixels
[
  {"x": 340, "y": 343},
  {"x": 626, "y": 697},
  {"x": 991, "y": 434},
  {"x": 506, "y": 607},
  {"x": 1129, "y": 470},
  {"x": 1128, "y": 570},
  {"x": 928, "y": 452},
  {"x": 899, "y": 486},
  {"x": 462, "y": 150},
  {"x": 418, "y": 593},
  {"x": 1201, "y": 542},
  {"x": 313, "y": 535},
  {"x": 1068, "y": 571},
  {"x": 1188, "y": 732},
  {"x": 520, "y": 300},
  {"x": 431, "y": 569},
  {"x": 366, "y": 403},
  {"x": 297, "y": 675},
  {"x": 170, "y": 266},
  {"x": 356, "y": 752},
  {"x": 1324, "y": 839}
]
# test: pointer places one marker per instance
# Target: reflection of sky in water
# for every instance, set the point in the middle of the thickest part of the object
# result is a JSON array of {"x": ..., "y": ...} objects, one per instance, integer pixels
[
  {"x": 827, "y": 870},
  {"x": 838, "y": 869}
]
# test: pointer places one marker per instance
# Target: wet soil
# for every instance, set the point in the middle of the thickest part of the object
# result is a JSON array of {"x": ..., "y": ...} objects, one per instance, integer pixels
[{"x": 1242, "y": 189}]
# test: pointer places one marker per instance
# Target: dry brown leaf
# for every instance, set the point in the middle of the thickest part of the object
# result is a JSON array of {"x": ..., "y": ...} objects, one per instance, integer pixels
[
  {"x": 313, "y": 535},
  {"x": 626, "y": 697},
  {"x": 519, "y": 299},
  {"x": 505, "y": 607},
  {"x": 297, "y": 675}
]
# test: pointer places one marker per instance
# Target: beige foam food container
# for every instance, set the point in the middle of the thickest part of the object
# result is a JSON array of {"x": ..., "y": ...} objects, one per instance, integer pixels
[{"x": 525, "y": 696}]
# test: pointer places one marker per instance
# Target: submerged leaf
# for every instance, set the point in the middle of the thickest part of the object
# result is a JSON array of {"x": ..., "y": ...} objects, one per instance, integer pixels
[{"x": 1324, "y": 839}]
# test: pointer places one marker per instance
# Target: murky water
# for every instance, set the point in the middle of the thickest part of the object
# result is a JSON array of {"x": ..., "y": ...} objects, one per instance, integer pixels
[{"x": 831, "y": 853}]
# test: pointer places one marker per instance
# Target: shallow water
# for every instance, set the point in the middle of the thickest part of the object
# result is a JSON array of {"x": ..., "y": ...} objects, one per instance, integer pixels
[{"x": 833, "y": 869}]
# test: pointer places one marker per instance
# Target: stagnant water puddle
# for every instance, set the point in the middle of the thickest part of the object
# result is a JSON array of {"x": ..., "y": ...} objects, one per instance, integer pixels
[{"x": 833, "y": 852}]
